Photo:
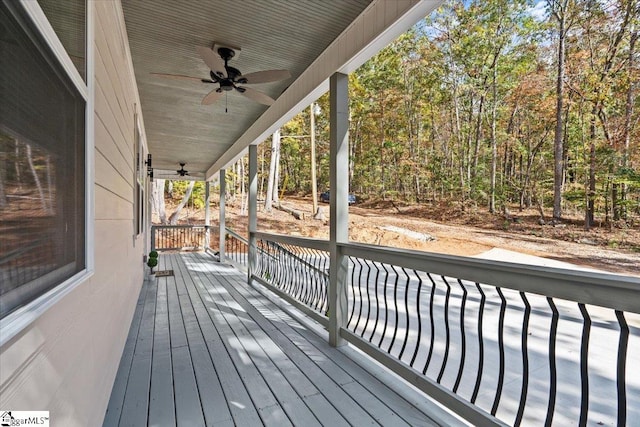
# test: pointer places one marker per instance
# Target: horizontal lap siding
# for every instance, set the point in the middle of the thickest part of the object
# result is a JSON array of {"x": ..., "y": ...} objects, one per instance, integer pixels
[
  {"x": 66, "y": 360},
  {"x": 119, "y": 268}
]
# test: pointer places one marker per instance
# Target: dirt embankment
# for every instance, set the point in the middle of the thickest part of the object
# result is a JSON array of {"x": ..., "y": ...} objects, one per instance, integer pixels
[{"x": 455, "y": 232}]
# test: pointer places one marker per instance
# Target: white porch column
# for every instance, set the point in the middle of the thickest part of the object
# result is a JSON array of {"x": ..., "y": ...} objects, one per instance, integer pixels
[
  {"x": 207, "y": 215},
  {"x": 223, "y": 232},
  {"x": 339, "y": 184},
  {"x": 253, "y": 205}
]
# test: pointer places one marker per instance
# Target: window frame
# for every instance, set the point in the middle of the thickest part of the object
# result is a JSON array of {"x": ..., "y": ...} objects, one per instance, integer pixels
[
  {"x": 140, "y": 180},
  {"x": 12, "y": 324}
]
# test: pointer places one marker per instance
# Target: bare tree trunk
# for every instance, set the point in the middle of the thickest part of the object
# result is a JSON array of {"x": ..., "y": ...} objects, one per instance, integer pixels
[
  {"x": 241, "y": 174},
  {"x": 268, "y": 200},
  {"x": 494, "y": 143},
  {"x": 50, "y": 184},
  {"x": 261, "y": 171},
  {"x": 276, "y": 177},
  {"x": 314, "y": 180},
  {"x": 458, "y": 136},
  {"x": 559, "y": 11},
  {"x": 170, "y": 188},
  {"x": 236, "y": 178},
  {"x": 173, "y": 219},
  {"x": 157, "y": 197},
  {"x": 36, "y": 179},
  {"x": 382, "y": 162},
  {"x": 476, "y": 148},
  {"x": 17, "y": 165},
  {"x": 627, "y": 119},
  {"x": 591, "y": 193},
  {"x": 3, "y": 178}
]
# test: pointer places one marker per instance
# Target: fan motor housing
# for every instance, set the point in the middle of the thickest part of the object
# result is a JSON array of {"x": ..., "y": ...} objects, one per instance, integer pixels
[
  {"x": 226, "y": 53},
  {"x": 226, "y": 85}
]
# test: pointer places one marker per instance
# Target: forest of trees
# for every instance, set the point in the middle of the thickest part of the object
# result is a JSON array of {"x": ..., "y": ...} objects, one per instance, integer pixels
[{"x": 490, "y": 104}]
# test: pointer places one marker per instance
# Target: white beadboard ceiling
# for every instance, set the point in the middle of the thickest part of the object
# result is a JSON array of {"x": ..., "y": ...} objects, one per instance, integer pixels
[{"x": 312, "y": 39}]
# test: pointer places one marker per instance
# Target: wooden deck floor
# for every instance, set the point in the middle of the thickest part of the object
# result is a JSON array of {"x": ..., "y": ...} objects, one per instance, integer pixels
[{"x": 206, "y": 349}]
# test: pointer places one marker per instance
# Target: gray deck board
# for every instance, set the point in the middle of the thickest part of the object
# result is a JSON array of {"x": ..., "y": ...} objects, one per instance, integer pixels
[
  {"x": 161, "y": 397},
  {"x": 136, "y": 402},
  {"x": 236, "y": 397},
  {"x": 261, "y": 351},
  {"x": 206, "y": 349},
  {"x": 345, "y": 407},
  {"x": 242, "y": 407},
  {"x": 214, "y": 405},
  {"x": 116, "y": 401},
  {"x": 349, "y": 375},
  {"x": 188, "y": 407},
  {"x": 340, "y": 369}
]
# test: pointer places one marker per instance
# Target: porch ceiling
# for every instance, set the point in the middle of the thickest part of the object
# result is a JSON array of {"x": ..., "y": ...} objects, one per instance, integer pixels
[{"x": 272, "y": 34}]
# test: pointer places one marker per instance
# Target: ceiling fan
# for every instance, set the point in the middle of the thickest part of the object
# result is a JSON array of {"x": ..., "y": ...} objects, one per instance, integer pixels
[
  {"x": 181, "y": 171},
  {"x": 229, "y": 78}
]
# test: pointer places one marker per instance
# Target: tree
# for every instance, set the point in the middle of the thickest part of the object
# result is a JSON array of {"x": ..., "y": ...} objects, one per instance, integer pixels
[
  {"x": 157, "y": 197},
  {"x": 272, "y": 183},
  {"x": 561, "y": 11},
  {"x": 621, "y": 212},
  {"x": 488, "y": 103},
  {"x": 173, "y": 219},
  {"x": 604, "y": 32}
]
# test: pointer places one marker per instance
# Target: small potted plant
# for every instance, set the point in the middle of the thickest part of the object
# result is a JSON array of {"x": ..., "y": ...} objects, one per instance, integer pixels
[{"x": 153, "y": 260}]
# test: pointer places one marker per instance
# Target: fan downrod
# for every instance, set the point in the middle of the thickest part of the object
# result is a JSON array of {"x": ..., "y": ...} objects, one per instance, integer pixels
[{"x": 226, "y": 53}]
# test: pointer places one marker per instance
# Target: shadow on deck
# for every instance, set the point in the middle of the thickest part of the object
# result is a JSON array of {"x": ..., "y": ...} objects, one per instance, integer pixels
[{"x": 204, "y": 348}]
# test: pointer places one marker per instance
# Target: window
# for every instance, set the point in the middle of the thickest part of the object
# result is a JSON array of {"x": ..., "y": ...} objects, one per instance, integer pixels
[
  {"x": 42, "y": 165},
  {"x": 140, "y": 176},
  {"x": 68, "y": 19}
]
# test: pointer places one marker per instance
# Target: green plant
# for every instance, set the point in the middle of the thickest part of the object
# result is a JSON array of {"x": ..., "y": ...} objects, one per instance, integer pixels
[
  {"x": 153, "y": 254},
  {"x": 152, "y": 262}
]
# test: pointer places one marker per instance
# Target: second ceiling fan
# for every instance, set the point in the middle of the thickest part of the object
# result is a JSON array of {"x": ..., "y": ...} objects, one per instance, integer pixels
[{"x": 229, "y": 78}]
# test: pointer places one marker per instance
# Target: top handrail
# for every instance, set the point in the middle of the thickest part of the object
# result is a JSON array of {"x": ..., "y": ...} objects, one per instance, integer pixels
[
  {"x": 182, "y": 226},
  {"x": 236, "y": 235},
  {"x": 321, "y": 245},
  {"x": 602, "y": 289},
  {"x": 608, "y": 290}
]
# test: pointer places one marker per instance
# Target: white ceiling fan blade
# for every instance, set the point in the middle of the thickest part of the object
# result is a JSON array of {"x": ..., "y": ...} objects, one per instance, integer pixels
[
  {"x": 266, "y": 76},
  {"x": 211, "y": 97},
  {"x": 177, "y": 77},
  {"x": 212, "y": 59},
  {"x": 255, "y": 95}
]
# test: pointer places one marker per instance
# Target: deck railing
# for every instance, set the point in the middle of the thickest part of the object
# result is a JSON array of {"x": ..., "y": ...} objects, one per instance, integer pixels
[
  {"x": 236, "y": 248},
  {"x": 297, "y": 269},
  {"x": 180, "y": 237},
  {"x": 497, "y": 343}
]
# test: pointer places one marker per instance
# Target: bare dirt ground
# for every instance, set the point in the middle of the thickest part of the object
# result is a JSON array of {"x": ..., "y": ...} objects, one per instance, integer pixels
[{"x": 456, "y": 232}]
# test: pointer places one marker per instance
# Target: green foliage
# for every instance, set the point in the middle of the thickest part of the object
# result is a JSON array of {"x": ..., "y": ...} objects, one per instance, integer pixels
[
  {"x": 153, "y": 254},
  {"x": 427, "y": 110},
  {"x": 196, "y": 200},
  {"x": 152, "y": 262}
]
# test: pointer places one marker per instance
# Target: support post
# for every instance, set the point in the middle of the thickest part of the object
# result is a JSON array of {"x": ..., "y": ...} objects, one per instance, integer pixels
[
  {"x": 314, "y": 180},
  {"x": 339, "y": 208},
  {"x": 223, "y": 231},
  {"x": 207, "y": 215},
  {"x": 253, "y": 212}
]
